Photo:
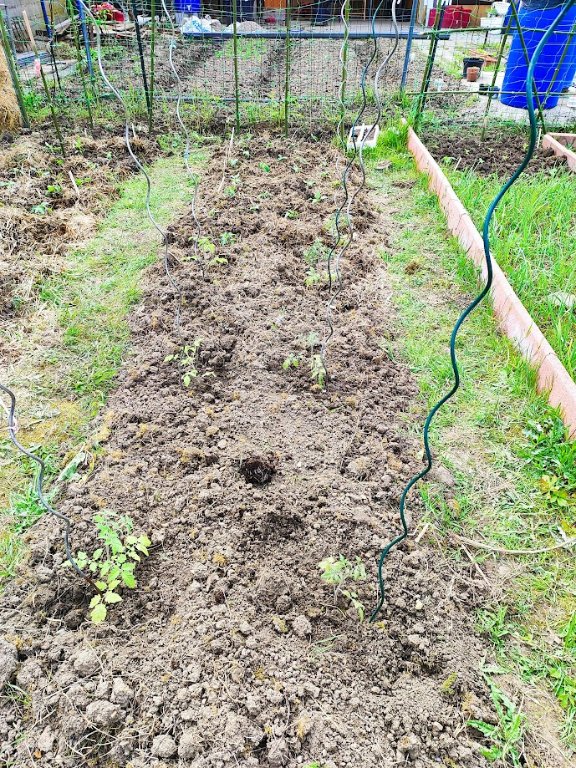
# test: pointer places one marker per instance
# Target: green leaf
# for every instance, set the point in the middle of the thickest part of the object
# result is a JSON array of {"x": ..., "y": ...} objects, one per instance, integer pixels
[
  {"x": 114, "y": 572},
  {"x": 95, "y": 600},
  {"x": 98, "y": 615},
  {"x": 129, "y": 580},
  {"x": 113, "y": 583},
  {"x": 112, "y": 597},
  {"x": 131, "y": 539},
  {"x": 97, "y": 554},
  {"x": 143, "y": 539},
  {"x": 101, "y": 585},
  {"x": 187, "y": 378}
]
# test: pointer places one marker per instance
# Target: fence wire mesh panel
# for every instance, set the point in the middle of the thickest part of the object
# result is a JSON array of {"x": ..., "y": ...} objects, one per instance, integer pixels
[{"x": 454, "y": 65}]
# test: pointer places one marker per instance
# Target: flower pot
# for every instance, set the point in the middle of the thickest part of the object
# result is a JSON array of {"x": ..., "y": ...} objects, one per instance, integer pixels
[
  {"x": 471, "y": 61},
  {"x": 472, "y": 74}
]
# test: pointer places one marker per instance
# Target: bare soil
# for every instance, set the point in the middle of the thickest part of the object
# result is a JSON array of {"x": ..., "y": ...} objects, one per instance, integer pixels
[
  {"x": 499, "y": 153},
  {"x": 232, "y": 651}
]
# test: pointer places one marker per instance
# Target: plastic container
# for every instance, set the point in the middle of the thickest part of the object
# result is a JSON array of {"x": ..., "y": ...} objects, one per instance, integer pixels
[
  {"x": 538, "y": 19},
  {"x": 455, "y": 17},
  {"x": 471, "y": 61},
  {"x": 187, "y": 7}
]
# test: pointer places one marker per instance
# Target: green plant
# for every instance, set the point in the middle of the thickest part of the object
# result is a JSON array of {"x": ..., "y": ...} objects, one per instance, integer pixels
[
  {"x": 317, "y": 370},
  {"x": 506, "y": 736},
  {"x": 206, "y": 245},
  {"x": 290, "y": 214},
  {"x": 227, "y": 238},
  {"x": 292, "y": 361},
  {"x": 54, "y": 189},
  {"x": 187, "y": 357},
  {"x": 339, "y": 573},
  {"x": 40, "y": 208},
  {"x": 264, "y": 167},
  {"x": 112, "y": 565}
]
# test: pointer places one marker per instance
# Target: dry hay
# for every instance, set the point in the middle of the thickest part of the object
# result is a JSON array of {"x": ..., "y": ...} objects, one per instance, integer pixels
[{"x": 9, "y": 112}]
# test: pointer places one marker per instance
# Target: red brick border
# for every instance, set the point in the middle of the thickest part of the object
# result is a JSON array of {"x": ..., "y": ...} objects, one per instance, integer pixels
[{"x": 513, "y": 318}]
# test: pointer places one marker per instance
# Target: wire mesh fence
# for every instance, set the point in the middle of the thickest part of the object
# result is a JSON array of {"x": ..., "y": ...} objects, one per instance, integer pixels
[{"x": 260, "y": 60}]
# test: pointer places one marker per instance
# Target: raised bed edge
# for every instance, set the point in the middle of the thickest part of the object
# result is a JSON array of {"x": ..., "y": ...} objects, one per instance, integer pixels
[
  {"x": 554, "y": 141},
  {"x": 513, "y": 317}
]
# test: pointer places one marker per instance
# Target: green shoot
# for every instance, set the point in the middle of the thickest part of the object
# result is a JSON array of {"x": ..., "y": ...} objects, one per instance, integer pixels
[
  {"x": 187, "y": 357},
  {"x": 339, "y": 573},
  {"x": 112, "y": 565}
]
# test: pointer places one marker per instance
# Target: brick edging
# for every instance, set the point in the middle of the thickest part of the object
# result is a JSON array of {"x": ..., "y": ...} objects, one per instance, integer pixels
[{"x": 513, "y": 317}]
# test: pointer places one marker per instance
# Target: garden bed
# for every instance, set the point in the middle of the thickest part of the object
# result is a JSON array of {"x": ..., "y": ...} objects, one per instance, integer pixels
[{"x": 232, "y": 650}]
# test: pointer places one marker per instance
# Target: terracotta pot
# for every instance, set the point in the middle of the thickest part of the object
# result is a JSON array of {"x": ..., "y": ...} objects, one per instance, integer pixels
[{"x": 472, "y": 74}]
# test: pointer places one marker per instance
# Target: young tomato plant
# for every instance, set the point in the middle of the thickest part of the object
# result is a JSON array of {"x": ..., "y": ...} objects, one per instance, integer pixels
[
  {"x": 112, "y": 564},
  {"x": 339, "y": 573},
  {"x": 187, "y": 357}
]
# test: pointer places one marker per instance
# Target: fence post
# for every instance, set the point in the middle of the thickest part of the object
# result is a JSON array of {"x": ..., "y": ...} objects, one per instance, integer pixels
[
  {"x": 413, "y": 15},
  {"x": 76, "y": 38},
  {"x": 421, "y": 103},
  {"x": 287, "y": 67},
  {"x": 235, "y": 54}
]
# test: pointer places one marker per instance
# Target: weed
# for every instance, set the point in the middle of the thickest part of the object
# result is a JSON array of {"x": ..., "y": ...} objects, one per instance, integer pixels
[
  {"x": 264, "y": 167},
  {"x": 186, "y": 357},
  {"x": 506, "y": 737},
  {"x": 291, "y": 214},
  {"x": 339, "y": 573},
  {"x": 495, "y": 624},
  {"x": 112, "y": 565},
  {"x": 40, "y": 209},
  {"x": 54, "y": 190}
]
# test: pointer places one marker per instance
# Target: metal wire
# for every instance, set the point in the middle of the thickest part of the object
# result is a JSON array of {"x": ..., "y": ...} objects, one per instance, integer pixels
[
  {"x": 12, "y": 431},
  {"x": 489, "y": 276},
  {"x": 127, "y": 128},
  {"x": 193, "y": 176},
  {"x": 337, "y": 251}
]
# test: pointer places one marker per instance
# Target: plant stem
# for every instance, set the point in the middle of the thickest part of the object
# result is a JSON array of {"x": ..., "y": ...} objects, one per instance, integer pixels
[{"x": 13, "y": 71}]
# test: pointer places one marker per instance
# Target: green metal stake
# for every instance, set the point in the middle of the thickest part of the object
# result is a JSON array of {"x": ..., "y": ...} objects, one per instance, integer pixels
[
  {"x": 152, "y": 57},
  {"x": 420, "y": 104},
  {"x": 13, "y": 71},
  {"x": 287, "y": 67},
  {"x": 44, "y": 83},
  {"x": 496, "y": 70},
  {"x": 76, "y": 37},
  {"x": 235, "y": 53},
  {"x": 343, "y": 74}
]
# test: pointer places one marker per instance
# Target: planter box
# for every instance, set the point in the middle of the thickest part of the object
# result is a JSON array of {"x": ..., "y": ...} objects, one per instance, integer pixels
[
  {"x": 563, "y": 145},
  {"x": 492, "y": 22}
]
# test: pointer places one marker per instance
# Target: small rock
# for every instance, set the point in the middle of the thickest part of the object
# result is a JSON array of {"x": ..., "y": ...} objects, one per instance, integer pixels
[
  {"x": 189, "y": 745},
  {"x": 103, "y": 713},
  {"x": 278, "y": 754},
  {"x": 8, "y": 662},
  {"x": 245, "y": 628},
  {"x": 164, "y": 746},
  {"x": 442, "y": 475},
  {"x": 46, "y": 740},
  {"x": 122, "y": 694},
  {"x": 302, "y": 626},
  {"x": 87, "y": 663}
]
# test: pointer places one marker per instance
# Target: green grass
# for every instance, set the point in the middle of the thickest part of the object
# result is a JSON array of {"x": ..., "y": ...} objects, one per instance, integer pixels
[
  {"x": 533, "y": 241},
  {"x": 85, "y": 308},
  {"x": 507, "y": 450}
]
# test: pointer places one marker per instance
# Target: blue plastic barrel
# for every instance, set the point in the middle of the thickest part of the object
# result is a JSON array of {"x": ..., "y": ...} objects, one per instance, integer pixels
[
  {"x": 188, "y": 7},
  {"x": 559, "y": 53}
]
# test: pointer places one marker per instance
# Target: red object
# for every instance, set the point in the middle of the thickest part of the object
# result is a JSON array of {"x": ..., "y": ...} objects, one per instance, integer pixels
[
  {"x": 107, "y": 12},
  {"x": 455, "y": 17}
]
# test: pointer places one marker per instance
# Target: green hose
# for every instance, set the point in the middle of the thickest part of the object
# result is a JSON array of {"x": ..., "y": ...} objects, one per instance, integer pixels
[{"x": 473, "y": 305}]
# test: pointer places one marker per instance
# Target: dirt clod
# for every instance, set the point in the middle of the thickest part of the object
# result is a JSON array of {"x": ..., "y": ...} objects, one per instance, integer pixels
[
  {"x": 259, "y": 470},
  {"x": 164, "y": 746},
  {"x": 8, "y": 661}
]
